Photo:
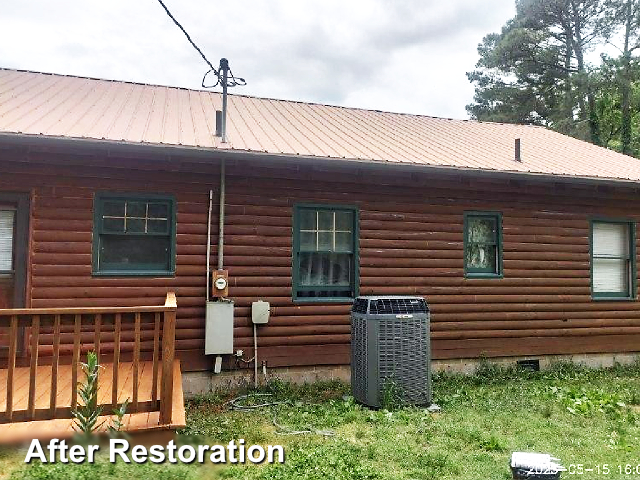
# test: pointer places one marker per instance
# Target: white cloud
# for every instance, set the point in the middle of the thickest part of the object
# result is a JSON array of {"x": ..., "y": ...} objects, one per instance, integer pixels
[{"x": 399, "y": 55}]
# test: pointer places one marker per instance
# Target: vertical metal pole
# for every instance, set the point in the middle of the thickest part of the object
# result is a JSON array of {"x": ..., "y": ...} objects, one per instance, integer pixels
[
  {"x": 224, "y": 67},
  {"x": 221, "y": 217},
  {"x": 255, "y": 357},
  {"x": 209, "y": 241}
]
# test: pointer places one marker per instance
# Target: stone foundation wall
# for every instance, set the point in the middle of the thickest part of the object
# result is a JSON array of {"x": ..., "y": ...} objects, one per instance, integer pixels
[{"x": 195, "y": 383}]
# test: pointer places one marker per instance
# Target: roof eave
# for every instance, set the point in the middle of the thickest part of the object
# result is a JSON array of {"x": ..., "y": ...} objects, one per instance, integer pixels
[{"x": 168, "y": 151}]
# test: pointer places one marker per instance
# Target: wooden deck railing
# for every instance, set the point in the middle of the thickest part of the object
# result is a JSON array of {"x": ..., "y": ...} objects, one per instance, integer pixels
[{"x": 106, "y": 331}]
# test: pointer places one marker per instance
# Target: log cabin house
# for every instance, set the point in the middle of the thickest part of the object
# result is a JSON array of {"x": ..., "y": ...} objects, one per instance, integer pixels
[{"x": 522, "y": 240}]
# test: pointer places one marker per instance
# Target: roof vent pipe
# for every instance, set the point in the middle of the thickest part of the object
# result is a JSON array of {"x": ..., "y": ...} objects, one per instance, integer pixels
[
  {"x": 218, "y": 123},
  {"x": 518, "y": 153}
]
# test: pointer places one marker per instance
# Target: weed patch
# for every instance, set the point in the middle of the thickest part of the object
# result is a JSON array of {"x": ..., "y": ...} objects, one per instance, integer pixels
[
  {"x": 576, "y": 414},
  {"x": 581, "y": 401}
]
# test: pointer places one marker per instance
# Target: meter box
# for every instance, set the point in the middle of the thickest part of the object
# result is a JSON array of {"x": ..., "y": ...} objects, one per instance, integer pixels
[{"x": 220, "y": 284}]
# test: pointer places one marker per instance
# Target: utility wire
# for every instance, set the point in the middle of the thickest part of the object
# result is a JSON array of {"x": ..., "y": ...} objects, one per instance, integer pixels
[{"x": 232, "y": 81}]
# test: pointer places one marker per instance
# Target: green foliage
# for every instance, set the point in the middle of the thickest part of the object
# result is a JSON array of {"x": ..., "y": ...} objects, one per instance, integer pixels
[
  {"x": 87, "y": 414},
  {"x": 336, "y": 460},
  {"x": 116, "y": 428},
  {"x": 323, "y": 390},
  {"x": 536, "y": 71},
  {"x": 391, "y": 397},
  {"x": 102, "y": 469},
  {"x": 580, "y": 401},
  {"x": 484, "y": 417},
  {"x": 609, "y": 102}
]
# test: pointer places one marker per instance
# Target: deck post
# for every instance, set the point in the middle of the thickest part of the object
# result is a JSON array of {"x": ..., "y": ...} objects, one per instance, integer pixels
[
  {"x": 13, "y": 340},
  {"x": 168, "y": 353}
]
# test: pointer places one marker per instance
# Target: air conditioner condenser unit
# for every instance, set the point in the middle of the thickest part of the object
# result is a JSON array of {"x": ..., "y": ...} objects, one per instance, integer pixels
[{"x": 390, "y": 348}]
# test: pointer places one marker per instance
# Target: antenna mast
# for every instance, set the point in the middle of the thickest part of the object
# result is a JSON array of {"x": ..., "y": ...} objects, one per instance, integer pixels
[{"x": 224, "y": 68}]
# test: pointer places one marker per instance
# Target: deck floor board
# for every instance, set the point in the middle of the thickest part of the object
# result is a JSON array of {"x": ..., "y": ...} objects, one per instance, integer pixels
[
  {"x": 59, "y": 428},
  {"x": 43, "y": 385}
]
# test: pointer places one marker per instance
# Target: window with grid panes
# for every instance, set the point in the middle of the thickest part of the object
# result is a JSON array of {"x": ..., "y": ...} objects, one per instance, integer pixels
[
  {"x": 134, "y": 235},
  {"x": 325, "y": 250}
]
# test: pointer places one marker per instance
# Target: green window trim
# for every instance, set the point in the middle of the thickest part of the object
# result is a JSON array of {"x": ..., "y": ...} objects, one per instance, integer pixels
[
  {"x": 149, "y": 226},
  {"x": 298, "y": 249},
  {"x": 488, "y": 272},
  {"x": 631, "y": 294}
]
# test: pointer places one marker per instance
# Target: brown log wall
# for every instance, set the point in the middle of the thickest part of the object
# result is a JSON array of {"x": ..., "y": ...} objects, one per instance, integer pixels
[{"x": 410, "y": 243}]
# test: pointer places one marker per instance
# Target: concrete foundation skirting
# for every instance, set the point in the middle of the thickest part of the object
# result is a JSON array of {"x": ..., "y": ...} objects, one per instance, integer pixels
[
  {"x": 195, "y": 383},
  {"x": 591, "y": 360}
]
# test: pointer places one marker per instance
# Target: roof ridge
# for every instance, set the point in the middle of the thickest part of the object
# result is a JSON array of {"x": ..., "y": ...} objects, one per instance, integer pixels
[{"x": 255, "y": 97}]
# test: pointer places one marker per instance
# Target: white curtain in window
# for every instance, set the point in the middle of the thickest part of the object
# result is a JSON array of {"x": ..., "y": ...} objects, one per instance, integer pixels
[
  {"x": 6, "y": 239},
  {"x": 610, "y": 257},
  {"x": 610, "y": 275},
  {"x": 325, "y": 269},
  {"x": 610, "y": 239}
]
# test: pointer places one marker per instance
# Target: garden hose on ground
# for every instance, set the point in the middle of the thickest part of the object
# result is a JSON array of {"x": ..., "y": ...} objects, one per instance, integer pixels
[{"x": 236, "y": 404}]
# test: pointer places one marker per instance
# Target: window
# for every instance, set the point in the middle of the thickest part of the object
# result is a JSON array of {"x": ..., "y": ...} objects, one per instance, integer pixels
[
  {"x": 325, "y": 252},
  {"x": 482, "y": 244},
  {"x": 133, "y": 235},
  {"x": 612, "y": 259}
]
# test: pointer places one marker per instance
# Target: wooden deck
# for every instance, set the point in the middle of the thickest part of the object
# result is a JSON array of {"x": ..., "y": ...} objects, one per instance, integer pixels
[
  {"x": 41, "y": 391},
  {"x": 63, "y": 427}
]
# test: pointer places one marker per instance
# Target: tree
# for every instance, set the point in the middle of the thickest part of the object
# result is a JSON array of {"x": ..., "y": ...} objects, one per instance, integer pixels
[
  {"x": 516, "y": 77},
  {"x": 610, "y": 100},
  {"x": 535, "y": 70},
  {"x": 626, "y": 16}
]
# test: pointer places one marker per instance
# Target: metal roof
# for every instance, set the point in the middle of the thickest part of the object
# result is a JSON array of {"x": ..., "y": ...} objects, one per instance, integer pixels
[{"x": 63, "y": 106}]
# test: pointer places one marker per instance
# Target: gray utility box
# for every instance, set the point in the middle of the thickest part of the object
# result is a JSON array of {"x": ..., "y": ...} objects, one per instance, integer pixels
[
  {"x": 390, "y": 342},
  {"x": 218, "y": 335}
]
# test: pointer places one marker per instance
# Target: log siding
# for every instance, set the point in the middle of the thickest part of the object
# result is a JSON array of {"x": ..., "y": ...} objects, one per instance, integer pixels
[{"x": 411, "y": 242}]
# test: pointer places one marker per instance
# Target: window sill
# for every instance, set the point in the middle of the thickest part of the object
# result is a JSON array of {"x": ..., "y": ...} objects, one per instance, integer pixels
[
  {"x": 597, "y": 298},
  {"x": 140, "y": 273},
  {"x": 323, "y": 300},
  {"x": 483, "y": 275}
]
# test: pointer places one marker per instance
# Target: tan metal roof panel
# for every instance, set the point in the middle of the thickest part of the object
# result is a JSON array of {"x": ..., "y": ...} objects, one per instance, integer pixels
[{"x": 65, "y": 106}]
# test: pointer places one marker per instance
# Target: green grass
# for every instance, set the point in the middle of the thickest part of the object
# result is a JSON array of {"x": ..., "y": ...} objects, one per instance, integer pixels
[{"x": 581, "y": 416}]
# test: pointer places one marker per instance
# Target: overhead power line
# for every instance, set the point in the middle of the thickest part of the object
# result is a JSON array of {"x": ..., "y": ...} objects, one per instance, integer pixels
[{"x": 231, "y": 80}]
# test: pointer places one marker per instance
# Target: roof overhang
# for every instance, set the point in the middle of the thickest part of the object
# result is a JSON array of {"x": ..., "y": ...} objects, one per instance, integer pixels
[{"x": 166, "y": 152}]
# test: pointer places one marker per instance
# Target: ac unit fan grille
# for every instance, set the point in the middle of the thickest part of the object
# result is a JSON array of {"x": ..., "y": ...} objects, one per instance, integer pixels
[{"x": 395, "y": 306}]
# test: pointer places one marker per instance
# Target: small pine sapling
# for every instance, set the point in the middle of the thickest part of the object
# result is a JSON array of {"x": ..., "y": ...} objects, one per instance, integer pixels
[
  {"x": 116, "y": 429},
  {"x": 87, "y": 413}
]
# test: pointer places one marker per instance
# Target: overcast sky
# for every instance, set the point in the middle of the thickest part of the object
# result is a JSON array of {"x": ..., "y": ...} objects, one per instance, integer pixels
[{"x": 398, "y": 55}]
